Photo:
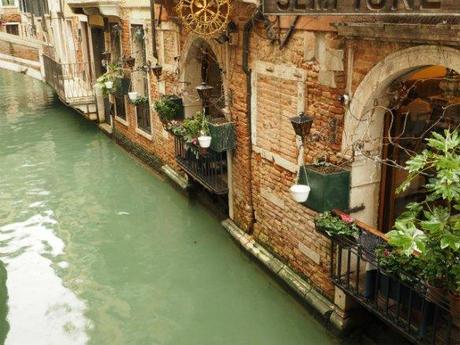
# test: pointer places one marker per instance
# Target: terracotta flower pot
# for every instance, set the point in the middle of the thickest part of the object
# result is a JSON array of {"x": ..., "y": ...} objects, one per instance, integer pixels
[{"x": 454, "y": 299}]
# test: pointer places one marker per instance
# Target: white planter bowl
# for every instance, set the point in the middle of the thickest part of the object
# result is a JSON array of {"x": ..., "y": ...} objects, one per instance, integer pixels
[
  {"x": 204, "y": 141},
  {"x": 132, "y": 95},
  {"x": 300, "y": 192},
  {"x": 108, "y": 84}
]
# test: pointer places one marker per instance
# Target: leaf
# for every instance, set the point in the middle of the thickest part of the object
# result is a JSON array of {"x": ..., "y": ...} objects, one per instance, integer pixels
[
  {"x": 436, "y": 220},
  {"x": 451, "y": 241},
  {"x": 418, "y": 162}
]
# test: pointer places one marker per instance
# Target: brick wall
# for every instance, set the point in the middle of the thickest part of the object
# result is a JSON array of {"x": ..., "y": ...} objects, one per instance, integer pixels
[
  {"x": 261, "y": 200},
  {"x": 19, "y": 51}
]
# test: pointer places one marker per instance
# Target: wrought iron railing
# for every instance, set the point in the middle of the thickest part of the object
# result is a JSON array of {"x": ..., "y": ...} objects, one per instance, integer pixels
[
  {"x": 207, "y": 167},
  {"x": 71, "y": 81},
  {"x": 417, "y": 311}
]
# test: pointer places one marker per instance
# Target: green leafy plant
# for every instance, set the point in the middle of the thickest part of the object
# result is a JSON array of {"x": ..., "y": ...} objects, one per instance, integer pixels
[
  {"x": 113, "y": 74},
  {"x": 166, "y": 108},
  {"x": 407, "y": 268},
  {"x": 193, "y": 127},
  {"x": 336, "y": 226},
  {"x": 431, "y": 229},
  {"x": 141, "y": 100}
]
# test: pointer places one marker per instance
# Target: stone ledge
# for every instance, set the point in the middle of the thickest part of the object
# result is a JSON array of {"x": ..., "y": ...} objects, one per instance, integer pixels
[
  {"x": 305, "y": 290},
  {"x": 174, "y": 176}
]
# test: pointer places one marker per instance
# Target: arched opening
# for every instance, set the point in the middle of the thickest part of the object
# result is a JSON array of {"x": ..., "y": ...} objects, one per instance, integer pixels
[
  {"x": 392, "y": 111},
  {"x": 421, "y": 102},
  {"x": 210, "y": 167},
  {"x": 201, "y": 65}
]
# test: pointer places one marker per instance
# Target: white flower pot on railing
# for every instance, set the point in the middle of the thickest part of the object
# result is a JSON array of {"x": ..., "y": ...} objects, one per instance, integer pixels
[
  {"x": 133, "y": 96},
  {"x": 204, "y": 141},
  {"x": 108, "y": 84},
  {"x": 300, "y": 192}
]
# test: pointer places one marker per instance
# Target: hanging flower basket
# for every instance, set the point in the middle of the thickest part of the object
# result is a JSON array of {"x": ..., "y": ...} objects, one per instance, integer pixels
[
  {"x": 133, "y": 95},
  {"x": 330, "y": 187},
  {"x": 300, "y": 192},
  {"x": 223, "y": 135},
  {"x": 204, "y": 141}
]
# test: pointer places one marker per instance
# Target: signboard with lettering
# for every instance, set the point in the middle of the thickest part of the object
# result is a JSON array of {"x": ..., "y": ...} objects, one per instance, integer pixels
[{"x": 361, "y": 7}]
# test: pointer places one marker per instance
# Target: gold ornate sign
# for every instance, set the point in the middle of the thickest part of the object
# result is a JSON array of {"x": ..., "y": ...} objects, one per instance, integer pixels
[
  {"x": 361, "y": 7},
  {"x": 204, "y": 17}
]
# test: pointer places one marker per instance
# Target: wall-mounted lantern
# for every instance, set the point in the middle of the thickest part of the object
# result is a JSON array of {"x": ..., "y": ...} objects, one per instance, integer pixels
[
  {"x": 105, "y": 58},
  {"x": 204, "y": 91},
  {"x": 302, "y": 125},
  {"x": 450, "y": 85},
  {"x": 157, "y": 71}
]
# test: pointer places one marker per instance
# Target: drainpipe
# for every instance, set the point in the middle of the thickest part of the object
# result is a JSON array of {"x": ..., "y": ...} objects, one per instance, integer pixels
[
  {"x": 154, "y": 30},
  {"x": 246, "y": 42}
]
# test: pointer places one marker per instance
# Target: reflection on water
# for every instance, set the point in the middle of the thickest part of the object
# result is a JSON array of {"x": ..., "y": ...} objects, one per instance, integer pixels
[
  {"x": 99, "y": 251},
  {"x": 37, "y": 295}
]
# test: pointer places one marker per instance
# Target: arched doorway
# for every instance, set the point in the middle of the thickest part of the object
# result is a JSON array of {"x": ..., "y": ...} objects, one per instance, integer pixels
[
  {"x": 421, "y": 102},
  {"x": 380, "y": 123},
  {"x": 201, "y": 65},
  {"x": 212, "y": 168}
]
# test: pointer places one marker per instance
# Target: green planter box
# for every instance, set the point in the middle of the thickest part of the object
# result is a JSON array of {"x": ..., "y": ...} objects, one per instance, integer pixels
[
  {"x": 329, "y": 189},
  {"x": 223, "y": 135}
]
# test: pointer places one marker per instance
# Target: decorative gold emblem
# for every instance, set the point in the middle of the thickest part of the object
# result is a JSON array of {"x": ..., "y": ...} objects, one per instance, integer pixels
[{"x": 204, "y": 17}]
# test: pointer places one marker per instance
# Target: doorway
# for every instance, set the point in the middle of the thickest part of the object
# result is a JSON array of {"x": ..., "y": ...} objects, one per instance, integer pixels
[
  {"x": 419, "y": 107},
  {"x": 97, "y": 35}
]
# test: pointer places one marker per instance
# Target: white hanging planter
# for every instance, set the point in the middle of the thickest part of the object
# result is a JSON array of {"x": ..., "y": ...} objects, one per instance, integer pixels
[
  {"x": 204, "y": 141},
  {"x": 300, "y": 192},
  {"x": 133, "y": 95},
  {"x": 108, "y": 84}
]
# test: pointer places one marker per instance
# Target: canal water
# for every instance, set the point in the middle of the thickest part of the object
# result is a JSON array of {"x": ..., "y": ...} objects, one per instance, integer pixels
[{"x": 99, "y": 250}]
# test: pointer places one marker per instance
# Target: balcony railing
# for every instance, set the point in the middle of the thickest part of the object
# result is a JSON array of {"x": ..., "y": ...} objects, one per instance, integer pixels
[
  {"x": 207, "y": 167},
  {"x": 71, "y": 81},
  {"x": 419, "y": 313}
]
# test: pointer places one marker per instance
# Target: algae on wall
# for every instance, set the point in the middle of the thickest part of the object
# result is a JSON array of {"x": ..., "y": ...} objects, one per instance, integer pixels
[{"x": 4, "y": 326}]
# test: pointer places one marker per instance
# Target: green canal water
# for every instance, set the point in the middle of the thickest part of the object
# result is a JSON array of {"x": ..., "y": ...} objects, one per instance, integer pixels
[{"x": 99, "y": 250}]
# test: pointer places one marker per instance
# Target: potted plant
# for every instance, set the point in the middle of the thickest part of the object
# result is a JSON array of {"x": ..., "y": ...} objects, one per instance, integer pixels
[
  {"x": 395, "y": 265},
  {"x": 431, "y": 228},
  {"x": 337, "y": 227},
  {"x": 110, "y": 78},
  {"x": 330, "y": 186},
  {"x": 168, "y": 108},
  {"x": 204, "y": 139},
  {"x": 140, "y": 100}
]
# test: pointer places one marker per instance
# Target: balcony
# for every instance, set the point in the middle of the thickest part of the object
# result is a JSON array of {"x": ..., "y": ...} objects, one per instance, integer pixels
[
  {"x": 103, "y": 7},
  {"x": 408, "y": 305},
  {"x": 207, "y": 167},
  {"x": 71, "y": 81}
]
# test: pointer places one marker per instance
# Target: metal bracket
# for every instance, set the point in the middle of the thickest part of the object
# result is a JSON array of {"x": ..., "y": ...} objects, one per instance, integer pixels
[{"x": 355, "y": 209}]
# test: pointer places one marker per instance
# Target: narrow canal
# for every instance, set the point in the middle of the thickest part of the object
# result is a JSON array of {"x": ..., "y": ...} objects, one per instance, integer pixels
[{"x": 99, "y": 250}]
